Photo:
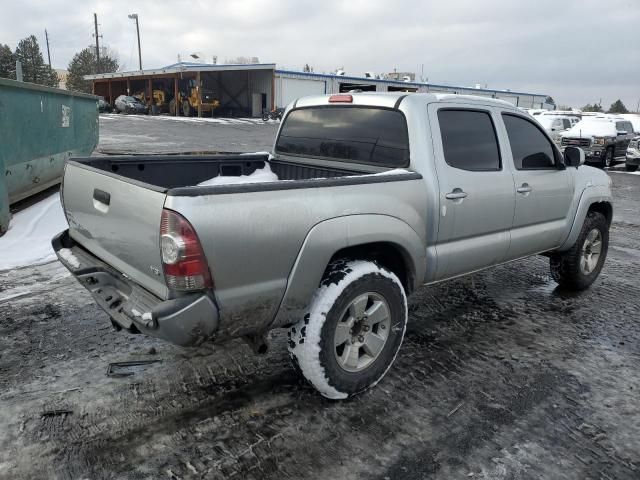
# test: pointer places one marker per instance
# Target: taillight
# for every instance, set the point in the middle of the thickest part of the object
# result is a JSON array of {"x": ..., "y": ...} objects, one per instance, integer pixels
[
  {"x": 341, "y": 99},
  {"x": 183, "y": 261}
]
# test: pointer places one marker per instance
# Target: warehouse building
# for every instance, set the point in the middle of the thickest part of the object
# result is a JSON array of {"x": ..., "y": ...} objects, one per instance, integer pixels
[
  {"x": 247, "y": 90},
  {"x": 291, "y": 85}
]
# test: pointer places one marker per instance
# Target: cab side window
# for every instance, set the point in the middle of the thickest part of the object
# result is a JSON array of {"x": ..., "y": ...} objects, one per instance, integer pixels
[
  {"x": 530, "y": 147},
  {"x": 469, "y": 140}
]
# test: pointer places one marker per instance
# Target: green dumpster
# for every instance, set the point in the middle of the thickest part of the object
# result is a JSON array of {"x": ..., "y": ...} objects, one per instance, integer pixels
[{"x": 40, "y": 128}]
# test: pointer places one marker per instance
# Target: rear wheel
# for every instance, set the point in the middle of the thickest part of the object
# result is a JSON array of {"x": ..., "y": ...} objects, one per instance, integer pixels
[
  {"x": 353, "y": 330},
  {"x": 578, "y": 267},
  {"x": 631, "y": 168}
]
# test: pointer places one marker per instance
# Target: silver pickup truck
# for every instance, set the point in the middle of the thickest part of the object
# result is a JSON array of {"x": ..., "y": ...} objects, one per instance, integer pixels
[{"x": 367, "y": 197}]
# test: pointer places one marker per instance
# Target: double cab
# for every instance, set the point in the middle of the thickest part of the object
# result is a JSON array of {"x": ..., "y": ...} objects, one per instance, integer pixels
[{"x": 364, "y": 198}]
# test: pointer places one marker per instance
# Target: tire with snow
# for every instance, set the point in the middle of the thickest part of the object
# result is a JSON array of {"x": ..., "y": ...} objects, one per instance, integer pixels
[
  {"x": 578, "y": 267},
  {"x": 353, "y": 330}
]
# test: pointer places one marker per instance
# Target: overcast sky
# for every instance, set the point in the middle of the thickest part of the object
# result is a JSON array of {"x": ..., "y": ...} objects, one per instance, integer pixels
[{"x": 577, "y": 51}]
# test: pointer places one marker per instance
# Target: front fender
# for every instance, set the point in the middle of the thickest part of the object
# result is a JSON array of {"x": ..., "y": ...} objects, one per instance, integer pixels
[
  {"x": 327, "y": 238},
  {"x": 591, "y": 195}
]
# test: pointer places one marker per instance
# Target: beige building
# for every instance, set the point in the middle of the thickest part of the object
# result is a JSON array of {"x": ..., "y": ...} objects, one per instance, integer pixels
[{"x": 62, "y": 78}]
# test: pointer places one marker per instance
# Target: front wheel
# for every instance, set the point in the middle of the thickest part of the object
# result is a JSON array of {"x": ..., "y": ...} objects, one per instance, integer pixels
[
  {"x": 578, "y": 267},
  {"x": 631, "y": 168},
  {"x": 353, "y": 329},
  {"x": 608, "y": 158},
  {"x": 186, "y": 109}
]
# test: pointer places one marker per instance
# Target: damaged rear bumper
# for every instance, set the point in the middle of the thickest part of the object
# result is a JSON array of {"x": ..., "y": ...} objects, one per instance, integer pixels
[{"x": 185, "y": 321}]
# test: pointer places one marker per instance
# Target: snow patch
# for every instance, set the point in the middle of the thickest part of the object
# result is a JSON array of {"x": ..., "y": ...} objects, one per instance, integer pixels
[
  {"x": 28, "y": 240},
  {"x": 266, "y": 175},
  {"x": 395, "y": 171},
  {"x": 68, "y": 256},
  {"x": 258, "y": 153},
  {"x": 591, "y": 128},
  {"x": 308, "y": 354},
  {"x": 261, "y": 175},
  {"x": 14, "y": 294}
]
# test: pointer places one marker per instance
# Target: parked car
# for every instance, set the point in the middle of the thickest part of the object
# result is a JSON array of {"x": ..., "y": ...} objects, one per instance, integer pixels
[
  {"x": 362, "y": 202},
  {"x": 103, "y": 106},
  {"x": 605, "y": 139},
  {"x": 632, "y": 160},
  {"x": 128, "y": 104},
  {"x": 554, "y": 125}
]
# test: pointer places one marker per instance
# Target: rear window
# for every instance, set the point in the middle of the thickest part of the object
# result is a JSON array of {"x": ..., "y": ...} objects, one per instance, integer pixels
[
  {"x": 469, "y": 140},
  {"x": 357, "y": 134}
]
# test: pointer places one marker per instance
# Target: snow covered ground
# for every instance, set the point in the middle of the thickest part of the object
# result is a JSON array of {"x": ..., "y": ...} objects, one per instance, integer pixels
[
  {"x": 218, "y": 120},
  {"x": 28, "y": 240}
]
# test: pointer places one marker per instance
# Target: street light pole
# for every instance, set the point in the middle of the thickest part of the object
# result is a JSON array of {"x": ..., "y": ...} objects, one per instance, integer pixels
[{"x": 134, "y": 16}]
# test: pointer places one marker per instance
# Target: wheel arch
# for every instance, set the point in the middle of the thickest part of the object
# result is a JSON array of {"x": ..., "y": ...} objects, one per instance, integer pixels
[
  {"x": 389, "y": 255},
  {"x": 389, "y": 241},
  {"x": 594, "y": 199}
]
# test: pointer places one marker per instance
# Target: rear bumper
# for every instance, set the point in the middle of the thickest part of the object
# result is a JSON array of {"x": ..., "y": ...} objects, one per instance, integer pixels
[{"x": 185, "y": 321}]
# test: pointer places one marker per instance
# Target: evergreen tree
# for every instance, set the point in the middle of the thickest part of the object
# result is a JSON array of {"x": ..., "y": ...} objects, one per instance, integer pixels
[
  {"x": 85, "y": 63},
  {"x": 592, "y": 108},
  {"x": 34, "y": 69},
  {"x": 618, "y": 107},
  {"x": 7, "y": 62}
]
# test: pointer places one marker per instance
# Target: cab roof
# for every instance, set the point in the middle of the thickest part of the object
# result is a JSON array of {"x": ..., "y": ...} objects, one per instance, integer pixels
[{"x": 394, "y": 99}]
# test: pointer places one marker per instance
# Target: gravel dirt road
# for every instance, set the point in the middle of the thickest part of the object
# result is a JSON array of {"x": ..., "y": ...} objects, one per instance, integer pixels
[{"x": 501, "y": 376}]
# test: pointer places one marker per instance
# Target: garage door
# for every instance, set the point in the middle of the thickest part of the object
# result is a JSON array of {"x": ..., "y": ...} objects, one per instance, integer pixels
[{"x": 293, "y": 88}]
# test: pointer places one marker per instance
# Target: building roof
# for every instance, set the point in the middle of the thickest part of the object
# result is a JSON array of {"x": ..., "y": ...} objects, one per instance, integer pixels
[
  {"x": 408, "y": 84},
  {"x": 182, "y": 67},
  {"x": 209, "y": 67}
]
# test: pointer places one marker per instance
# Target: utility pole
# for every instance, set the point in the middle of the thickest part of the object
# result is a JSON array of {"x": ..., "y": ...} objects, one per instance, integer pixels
[
  {"x": 46, "y": 35},
  {"x": 134, "y": 16},
  {"x": 95, "y": 22}
]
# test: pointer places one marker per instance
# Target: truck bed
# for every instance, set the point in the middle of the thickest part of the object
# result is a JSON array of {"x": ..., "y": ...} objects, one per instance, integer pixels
[
  {"x": 166, "y": 172},
  {"x": 114, "y": 207}
]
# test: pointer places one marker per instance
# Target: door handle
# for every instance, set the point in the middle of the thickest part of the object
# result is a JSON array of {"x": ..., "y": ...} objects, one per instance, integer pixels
[
  {"x": 102, "y": 196},
  {"x": 524, "y": 188},
  {"x": 456, "y": 194}
]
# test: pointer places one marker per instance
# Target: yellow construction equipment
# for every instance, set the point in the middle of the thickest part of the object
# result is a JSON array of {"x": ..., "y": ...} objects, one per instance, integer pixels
[{"x": 188, "y": 100}]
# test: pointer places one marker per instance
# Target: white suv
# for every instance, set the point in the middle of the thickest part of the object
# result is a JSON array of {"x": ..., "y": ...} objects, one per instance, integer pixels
[{"x": 554, "y": 125}]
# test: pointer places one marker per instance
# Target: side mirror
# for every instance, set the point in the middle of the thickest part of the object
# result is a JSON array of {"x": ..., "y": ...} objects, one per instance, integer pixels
[{"x": 573, "y": 157}]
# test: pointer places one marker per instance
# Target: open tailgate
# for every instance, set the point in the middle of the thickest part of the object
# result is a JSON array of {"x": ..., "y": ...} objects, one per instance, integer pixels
[{"x": 118, "y": 220}]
